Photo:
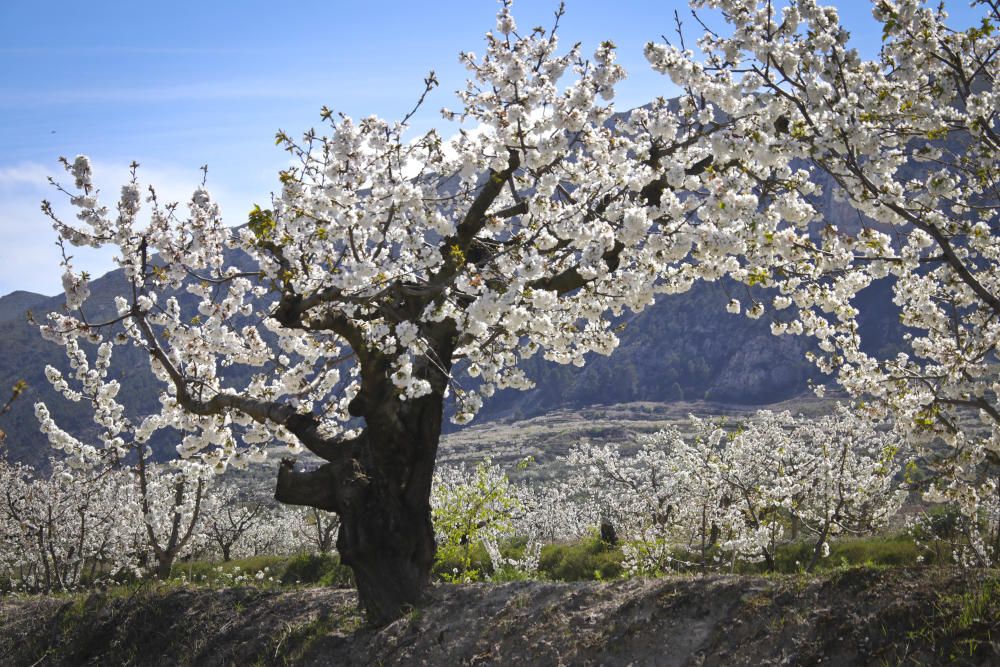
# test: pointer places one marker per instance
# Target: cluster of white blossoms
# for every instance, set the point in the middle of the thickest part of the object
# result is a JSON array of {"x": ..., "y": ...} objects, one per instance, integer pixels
[
  {"x": 716, "y": 497},
  {"x": 908, "y": 144},
  {"x": 965, "y": 527},
  {"x": 82, "y": 526},
  {"x": 58, "y": 531},
  {"x": 162, "y": 504}
]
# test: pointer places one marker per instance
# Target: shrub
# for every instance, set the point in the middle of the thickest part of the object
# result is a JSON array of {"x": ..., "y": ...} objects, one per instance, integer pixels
[
  {"x": 586, "y": 559},
  {"x": 465, "y": 561},
  {"x": 320, "y": 568}
]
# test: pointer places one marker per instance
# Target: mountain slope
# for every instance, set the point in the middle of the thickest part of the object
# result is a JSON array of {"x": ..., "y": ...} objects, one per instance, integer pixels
[
  {"x": 684, "y": 347},
  {"x": 17, "y": 304}
]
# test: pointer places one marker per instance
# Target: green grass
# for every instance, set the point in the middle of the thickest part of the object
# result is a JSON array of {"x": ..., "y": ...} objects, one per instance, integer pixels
[
  {"x": 198, "y": 571},
  {"x": 979, "y": 605},
  {"x": 462, "y": 562},
  {"x": 268, "y": 571},
  {"x": 586, "y": 559},
  {"x": 321, "y": 569},
  {"x": 897, "y": 550},
  {"x": 591, "y": 559}
]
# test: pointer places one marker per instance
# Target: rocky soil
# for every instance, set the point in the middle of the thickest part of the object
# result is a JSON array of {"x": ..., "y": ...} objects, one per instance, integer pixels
[{"x": 852, "y": 617}]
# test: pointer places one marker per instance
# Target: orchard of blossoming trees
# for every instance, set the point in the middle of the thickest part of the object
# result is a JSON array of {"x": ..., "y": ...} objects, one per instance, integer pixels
[
  {"x": 90, "y": 526},
  {"x": 703, "y": 502},
  {"x": 391, "y": 273}
]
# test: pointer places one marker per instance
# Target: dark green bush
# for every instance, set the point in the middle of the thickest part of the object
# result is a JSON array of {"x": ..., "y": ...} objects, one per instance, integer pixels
[
  {"x": 322, "y": 569},
  {"x": 587, "y": 559},
  {"x": 450, "y": 564}
]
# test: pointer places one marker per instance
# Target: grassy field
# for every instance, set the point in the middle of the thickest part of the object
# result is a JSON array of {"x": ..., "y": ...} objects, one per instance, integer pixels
[{"x": 587, "y": 559}]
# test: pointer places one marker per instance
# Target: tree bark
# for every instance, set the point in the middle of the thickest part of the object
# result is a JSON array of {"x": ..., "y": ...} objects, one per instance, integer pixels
[
  {"x": 818, "y": 547},
  {"x": 380, "y": 487},
  {"x": 163, "y": 567},
  {"x": 389, "y": 544}
]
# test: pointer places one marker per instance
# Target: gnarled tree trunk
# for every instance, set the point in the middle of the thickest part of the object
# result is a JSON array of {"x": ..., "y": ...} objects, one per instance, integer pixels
[{"x": 380, "y": 487}]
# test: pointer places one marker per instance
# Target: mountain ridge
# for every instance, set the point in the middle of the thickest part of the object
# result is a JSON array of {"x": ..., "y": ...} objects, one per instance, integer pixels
[{"x": 682, "y": 347}]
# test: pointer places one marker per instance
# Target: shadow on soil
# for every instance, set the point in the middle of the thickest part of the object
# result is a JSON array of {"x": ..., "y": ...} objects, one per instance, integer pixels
[{"x": 861, "y": 616}]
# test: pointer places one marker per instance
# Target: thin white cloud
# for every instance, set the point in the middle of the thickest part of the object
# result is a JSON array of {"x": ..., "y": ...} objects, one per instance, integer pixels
[
  {"x": 24, "y": 174},
  {"x": 245, "y": 90}
]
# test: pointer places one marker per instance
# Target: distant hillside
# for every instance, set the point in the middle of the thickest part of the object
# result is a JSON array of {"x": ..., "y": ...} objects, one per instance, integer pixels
[
  {"x": 685, "y": 347},
  {"x": 24, "y": 356},
  {"x": 17, "y": 304}
]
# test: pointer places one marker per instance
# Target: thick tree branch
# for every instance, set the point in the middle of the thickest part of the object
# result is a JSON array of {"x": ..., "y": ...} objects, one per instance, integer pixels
[
  {"x": 474, "y": 220},
  {"x": 315, "y": 488},
  {"x": 304, "y": 427},
  {"x": 570, "y": 279}
]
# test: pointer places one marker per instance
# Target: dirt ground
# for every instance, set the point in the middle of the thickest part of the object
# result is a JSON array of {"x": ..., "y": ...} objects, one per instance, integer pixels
[{"x": 915, "y": 616}]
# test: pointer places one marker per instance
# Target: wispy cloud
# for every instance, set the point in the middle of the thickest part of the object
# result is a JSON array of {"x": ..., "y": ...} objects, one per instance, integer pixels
[
  {"x": 28, "y": 173},
  {"x": 246, "y": 90}
]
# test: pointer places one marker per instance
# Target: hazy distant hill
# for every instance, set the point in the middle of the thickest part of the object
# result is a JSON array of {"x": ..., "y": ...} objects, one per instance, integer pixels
[
  {"x": 16, "y": 304},
  {"x": 685, "y": 347}
]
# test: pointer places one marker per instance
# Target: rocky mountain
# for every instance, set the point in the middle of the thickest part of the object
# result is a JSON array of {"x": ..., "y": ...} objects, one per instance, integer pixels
[
  {"x": 685, "y": 347},
  {"x": 17, "y": 303}
]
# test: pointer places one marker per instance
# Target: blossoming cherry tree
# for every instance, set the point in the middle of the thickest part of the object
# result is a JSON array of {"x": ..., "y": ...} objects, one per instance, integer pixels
[{"x": 390, "y": 273}]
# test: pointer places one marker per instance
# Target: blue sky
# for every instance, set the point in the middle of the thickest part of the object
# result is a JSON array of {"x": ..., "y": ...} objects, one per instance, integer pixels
[{"x": 175, "y": 85}]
